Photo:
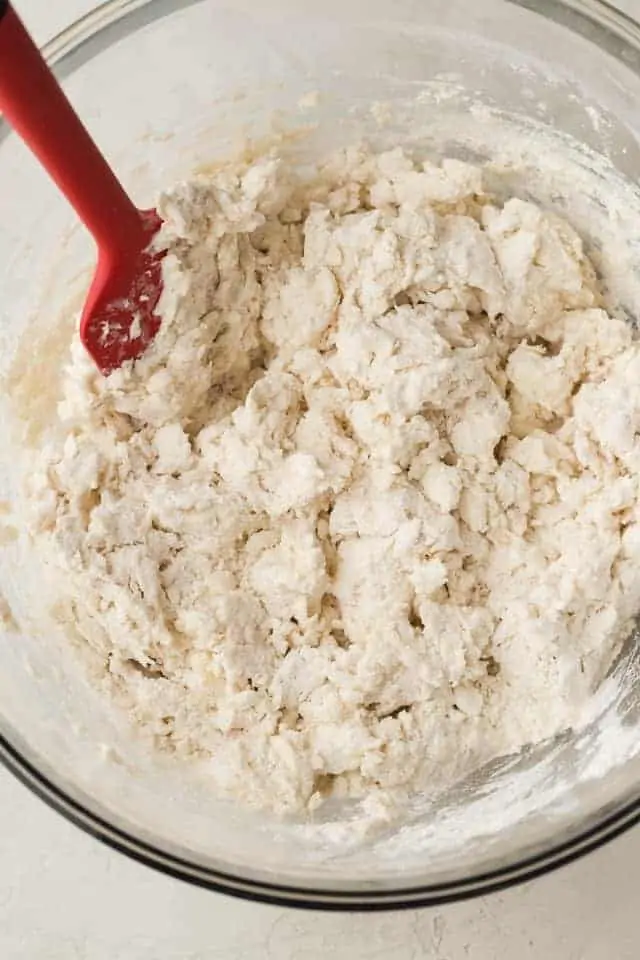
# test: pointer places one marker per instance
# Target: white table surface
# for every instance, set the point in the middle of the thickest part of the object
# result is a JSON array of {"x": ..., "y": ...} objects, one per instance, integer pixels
[{"x": 63, "y": 896}]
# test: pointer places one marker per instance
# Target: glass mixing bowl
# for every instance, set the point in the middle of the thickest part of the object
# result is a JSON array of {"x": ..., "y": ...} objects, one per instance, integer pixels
[{"x": 168, "y": 86}]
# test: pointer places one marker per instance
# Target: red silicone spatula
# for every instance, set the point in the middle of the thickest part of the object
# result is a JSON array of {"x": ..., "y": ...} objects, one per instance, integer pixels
[{"x": 118, "y": 320}]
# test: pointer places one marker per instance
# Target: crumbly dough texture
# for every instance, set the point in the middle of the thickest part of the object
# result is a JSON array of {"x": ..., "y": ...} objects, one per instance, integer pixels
[{"x": 366, "y": 515}]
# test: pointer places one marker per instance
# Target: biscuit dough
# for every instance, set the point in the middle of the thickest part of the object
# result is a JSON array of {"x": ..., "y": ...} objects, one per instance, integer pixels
[{"x": 366, "y": 515}]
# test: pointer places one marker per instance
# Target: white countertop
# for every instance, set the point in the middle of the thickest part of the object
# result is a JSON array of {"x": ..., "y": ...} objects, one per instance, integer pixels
[{"x": 63, "y": 896}]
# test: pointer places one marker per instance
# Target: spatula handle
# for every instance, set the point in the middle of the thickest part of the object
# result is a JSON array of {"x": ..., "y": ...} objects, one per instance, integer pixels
[{"x": 35, "y": 106}]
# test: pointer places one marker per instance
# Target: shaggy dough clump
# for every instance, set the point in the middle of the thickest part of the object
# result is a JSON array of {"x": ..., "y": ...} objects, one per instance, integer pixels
[{"x": 366, "y": 516}]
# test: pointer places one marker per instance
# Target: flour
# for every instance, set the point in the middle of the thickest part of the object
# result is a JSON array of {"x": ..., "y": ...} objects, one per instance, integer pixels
[{"x": 366, "y": 516}]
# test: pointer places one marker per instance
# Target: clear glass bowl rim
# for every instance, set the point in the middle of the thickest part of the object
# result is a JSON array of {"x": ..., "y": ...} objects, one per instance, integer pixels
[{"x": 78, "y": 43}]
